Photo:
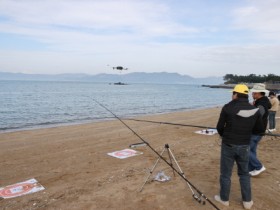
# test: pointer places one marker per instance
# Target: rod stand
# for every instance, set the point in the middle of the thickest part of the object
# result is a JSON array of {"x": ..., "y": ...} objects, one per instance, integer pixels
[{"x": 171, "y": 157}]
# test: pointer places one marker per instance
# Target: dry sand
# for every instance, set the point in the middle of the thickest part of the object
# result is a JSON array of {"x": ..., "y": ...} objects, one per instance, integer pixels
[{"x": 71, "y": 162}]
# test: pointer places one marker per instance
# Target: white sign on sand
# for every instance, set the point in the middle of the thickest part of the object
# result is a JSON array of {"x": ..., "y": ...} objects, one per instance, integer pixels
[
  {"x": 21, "y": 188},
  {"x": 122, "y": 154},
  {"x": 207, "y": 132}
]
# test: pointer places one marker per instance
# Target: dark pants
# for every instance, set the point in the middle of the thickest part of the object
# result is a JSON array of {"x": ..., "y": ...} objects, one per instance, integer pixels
[
  {"x": 240, "y": 155},
  {"x": 271, "y": 117},
  {"x": 254, "y": 163}
]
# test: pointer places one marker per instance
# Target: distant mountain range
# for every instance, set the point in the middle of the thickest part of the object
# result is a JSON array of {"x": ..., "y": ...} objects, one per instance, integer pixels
[{"x": 138, "y": 77}]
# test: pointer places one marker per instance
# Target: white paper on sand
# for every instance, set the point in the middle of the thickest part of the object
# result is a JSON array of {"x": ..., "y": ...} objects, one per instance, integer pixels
[
  {"x": 126, "y": 153},
  {"x": 207, "y": 132},
  {"x": 161, "y": 177},
  {"x": 21, "y": 188}
]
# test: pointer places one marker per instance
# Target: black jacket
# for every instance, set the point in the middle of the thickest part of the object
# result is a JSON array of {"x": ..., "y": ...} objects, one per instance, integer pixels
[
  {"x": 264, "y": 105},
  {"x": 237, "y": 120}
]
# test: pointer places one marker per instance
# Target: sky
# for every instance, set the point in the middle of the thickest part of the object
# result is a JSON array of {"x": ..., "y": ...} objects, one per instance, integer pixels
[{"x": 198, "y": 38}]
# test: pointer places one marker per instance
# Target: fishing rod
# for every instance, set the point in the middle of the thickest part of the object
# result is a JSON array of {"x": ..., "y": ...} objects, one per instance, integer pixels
[
  {"x": 194, "y": 126},
  {"x": 169, "y": 123},
  {"x": 199, "y": 196}
]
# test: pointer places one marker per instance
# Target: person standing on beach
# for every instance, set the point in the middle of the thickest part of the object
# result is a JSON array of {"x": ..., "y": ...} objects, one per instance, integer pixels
[
  {"x": 237, "y": 120},
  {"x": 261, "y": 102},
  {"x": 272, "y": 111}
]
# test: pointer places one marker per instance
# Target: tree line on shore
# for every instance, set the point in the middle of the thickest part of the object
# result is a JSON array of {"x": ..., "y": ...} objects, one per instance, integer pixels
[{"x": 251, "y": 78}]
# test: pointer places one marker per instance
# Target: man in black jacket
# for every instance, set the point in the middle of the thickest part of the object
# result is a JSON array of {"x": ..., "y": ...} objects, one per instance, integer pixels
[
  {"x": 237, "y": 120},
  {"x": 261, "y": 102}
]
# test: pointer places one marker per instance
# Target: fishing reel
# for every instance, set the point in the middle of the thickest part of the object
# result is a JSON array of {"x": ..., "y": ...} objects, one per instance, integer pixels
[{"x": 199, "y": 199}]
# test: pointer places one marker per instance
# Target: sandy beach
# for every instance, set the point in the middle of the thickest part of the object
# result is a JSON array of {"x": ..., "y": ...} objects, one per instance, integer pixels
[{"x": 71, "y": 162}]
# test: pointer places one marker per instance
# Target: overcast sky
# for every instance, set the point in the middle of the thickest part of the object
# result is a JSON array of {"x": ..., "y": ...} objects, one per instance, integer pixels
[{"x": 191, "y": 37}]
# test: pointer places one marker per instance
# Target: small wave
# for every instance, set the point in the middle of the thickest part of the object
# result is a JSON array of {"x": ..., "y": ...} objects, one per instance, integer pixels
[{"x": 31, "y": 126}]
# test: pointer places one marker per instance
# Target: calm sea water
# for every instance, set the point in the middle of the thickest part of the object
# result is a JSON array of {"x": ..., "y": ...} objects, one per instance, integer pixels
[{"x": 34, "y": 104}]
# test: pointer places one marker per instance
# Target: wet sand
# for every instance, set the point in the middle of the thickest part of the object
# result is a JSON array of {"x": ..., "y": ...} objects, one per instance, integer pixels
[{"x": 71, "y": 162}]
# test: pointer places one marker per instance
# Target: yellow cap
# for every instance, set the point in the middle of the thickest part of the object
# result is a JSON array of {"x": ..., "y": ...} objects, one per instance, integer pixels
[{"x": 241, "y": 89}]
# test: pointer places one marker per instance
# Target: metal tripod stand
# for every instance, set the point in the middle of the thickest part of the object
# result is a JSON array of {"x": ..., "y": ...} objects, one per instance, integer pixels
[{"x": 171, "y": 157}]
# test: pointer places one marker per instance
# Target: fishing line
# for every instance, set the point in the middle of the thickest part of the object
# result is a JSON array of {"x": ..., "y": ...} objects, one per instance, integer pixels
[
  {"x": 194, "y": 126},
  {"x": 198, "y": 197},
  {"x": 169, "y": 123}
]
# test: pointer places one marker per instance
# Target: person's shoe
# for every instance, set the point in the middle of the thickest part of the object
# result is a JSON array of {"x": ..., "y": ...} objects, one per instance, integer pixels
[
  {"x": 257, "y": 172},
  {"x": 248, "y": 205},
  {"x": 270, "y": 130},
  {"x": 218, "y": 198}
]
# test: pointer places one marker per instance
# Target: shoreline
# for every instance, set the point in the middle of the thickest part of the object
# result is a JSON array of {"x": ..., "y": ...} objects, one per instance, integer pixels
[
  {"x": 72, "y": 164},
  {"x": 54, "y": 125}
]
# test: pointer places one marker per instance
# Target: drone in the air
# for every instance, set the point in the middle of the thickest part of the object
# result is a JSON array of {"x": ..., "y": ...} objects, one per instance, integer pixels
[{"x": 120, "y": 68}]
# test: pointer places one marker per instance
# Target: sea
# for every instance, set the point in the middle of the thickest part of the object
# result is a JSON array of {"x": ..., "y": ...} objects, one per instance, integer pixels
[{"x": 28, "y": 105}]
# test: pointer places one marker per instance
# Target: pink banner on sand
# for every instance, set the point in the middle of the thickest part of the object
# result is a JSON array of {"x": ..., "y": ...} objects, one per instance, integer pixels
[
  {"x": 21, "y": 188},
  {"x": 126, "y": 153}
]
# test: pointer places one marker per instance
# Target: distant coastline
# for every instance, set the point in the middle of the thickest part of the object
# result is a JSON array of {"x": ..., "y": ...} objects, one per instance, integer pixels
[
  {"x": 269, "y": 86},
  {"x": 134, "y": 77},
  {"x": 228, "y": 86}
]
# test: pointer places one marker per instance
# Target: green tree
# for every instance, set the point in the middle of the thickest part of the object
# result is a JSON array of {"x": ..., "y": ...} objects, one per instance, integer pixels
[{"x": 251, "y": 78}]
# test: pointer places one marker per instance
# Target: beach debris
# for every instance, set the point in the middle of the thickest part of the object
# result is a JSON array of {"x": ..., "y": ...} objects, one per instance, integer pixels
[
  {"x": 141, "y": 144},
  {"x": 126, "y": 153},
  {"x": 207, "y": 132},
  {"x": 21, "y": 188},
  {"x": 161, "y": 177},
  {"x": 278, "y": 183}
]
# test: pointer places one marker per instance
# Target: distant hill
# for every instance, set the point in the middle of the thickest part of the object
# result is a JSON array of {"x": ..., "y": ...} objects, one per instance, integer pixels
[{"x": 137, "y": 77}]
